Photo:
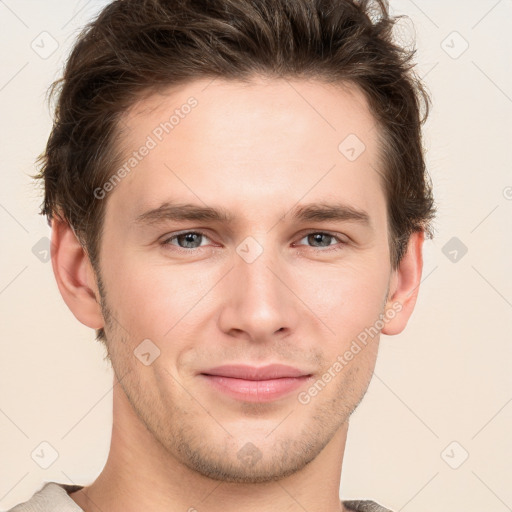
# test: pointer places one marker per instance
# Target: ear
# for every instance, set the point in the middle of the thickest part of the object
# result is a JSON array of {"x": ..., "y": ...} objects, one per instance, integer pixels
[
  {"x": 75, "y": 275},
  {"x": 404, "y": 286}
]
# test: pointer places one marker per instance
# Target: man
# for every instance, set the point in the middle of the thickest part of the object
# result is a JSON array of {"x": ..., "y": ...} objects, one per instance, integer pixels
[{"x": 238, "y": 201}]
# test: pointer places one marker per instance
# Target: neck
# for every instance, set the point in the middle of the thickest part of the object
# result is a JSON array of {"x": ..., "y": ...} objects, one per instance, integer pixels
[{"x": 140, "y": 474}]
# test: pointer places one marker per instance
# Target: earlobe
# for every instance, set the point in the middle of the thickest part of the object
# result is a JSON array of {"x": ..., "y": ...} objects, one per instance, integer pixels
[
  {"x": 406, "y": 281},
  {"x": 74, "y": 275}
]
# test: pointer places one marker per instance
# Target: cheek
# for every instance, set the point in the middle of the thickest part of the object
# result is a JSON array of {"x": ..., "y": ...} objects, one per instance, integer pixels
[
  {"x": 348, "y": 297},
  {"x": 150, "y": 299}
]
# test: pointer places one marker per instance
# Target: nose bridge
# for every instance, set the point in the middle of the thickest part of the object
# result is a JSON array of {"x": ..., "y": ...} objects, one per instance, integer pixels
[
  {"x": 256, "y": 270},
  {"x": 259, "y": 302}
]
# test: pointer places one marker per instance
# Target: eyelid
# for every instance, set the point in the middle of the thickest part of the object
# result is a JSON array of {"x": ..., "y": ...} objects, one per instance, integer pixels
[
  {"x": 342, "y": 241},
  {"x": 340, "y": 236},
  {"x": 172, "y": 236}
]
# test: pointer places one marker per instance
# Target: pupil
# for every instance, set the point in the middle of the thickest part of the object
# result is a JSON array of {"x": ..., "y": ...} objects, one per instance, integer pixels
[
  {"x": 317, "y": 237},
  {"x": 189, "y": 237}
]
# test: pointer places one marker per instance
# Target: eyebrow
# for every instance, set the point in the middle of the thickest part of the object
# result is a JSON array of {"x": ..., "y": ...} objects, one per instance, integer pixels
[{"x": 323, "y": 211}]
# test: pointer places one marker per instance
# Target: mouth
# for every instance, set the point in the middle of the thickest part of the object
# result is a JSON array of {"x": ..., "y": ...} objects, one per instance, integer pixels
[{"x": 253, "y": 384}]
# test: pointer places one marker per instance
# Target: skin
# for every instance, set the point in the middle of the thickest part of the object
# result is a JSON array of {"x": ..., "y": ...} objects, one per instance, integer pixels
[{"x": 257, "y": 150}]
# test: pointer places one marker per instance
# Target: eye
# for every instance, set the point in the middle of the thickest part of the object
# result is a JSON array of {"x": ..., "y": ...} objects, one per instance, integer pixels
[
  {"x": 186, "y": 240},
  {"x": 324, "y": 240},
  {"x": 189, "y": 240}
]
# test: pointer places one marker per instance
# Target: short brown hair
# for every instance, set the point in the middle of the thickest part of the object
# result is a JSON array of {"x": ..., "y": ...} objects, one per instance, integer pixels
[{"x": 138, "y": 47}]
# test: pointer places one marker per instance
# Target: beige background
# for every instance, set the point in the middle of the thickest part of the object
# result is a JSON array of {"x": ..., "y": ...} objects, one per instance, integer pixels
[{"x": 446, "y": 379}]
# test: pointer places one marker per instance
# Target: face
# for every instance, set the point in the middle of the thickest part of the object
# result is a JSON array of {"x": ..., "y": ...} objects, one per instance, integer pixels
[{"x": 286, "y": 263}]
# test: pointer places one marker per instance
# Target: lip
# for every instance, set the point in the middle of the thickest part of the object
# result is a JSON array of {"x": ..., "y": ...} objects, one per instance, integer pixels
[
  {"x": 255, "y": 384},
  {"x": 246, "y": 372}
]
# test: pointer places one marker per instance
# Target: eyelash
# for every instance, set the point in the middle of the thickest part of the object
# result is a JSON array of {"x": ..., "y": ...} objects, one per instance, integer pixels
[{"x": 328, "y": 248}]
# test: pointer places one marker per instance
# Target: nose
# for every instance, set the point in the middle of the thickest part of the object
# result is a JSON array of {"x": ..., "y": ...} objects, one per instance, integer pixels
[{"x": 259, "y": 303}]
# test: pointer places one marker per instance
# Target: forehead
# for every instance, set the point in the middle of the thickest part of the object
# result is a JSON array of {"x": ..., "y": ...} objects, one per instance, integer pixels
[
  {"x": 256, "y": 143},
  {"x": 287, "y": 110}
]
